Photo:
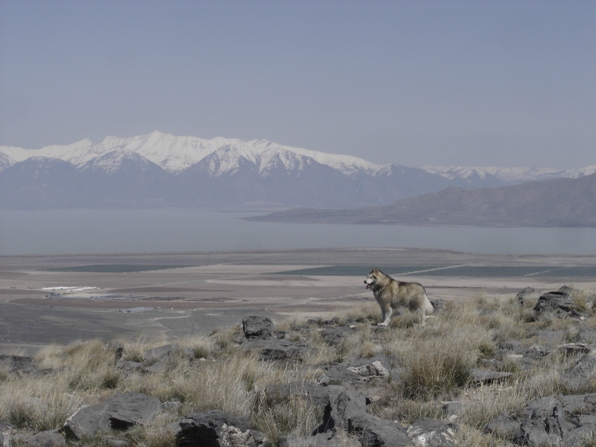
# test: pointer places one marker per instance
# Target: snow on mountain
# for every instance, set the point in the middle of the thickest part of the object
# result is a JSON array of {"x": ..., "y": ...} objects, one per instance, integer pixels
[
  {"x": 588, "y": 170},
  {"x": 116, "y": 160},
  {"x": 176, "y": 153},
  {"x": 506, "y": 175}
]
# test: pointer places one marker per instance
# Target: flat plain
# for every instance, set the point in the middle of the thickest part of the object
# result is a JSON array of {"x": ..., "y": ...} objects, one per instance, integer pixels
[{"x": 64, "y": 298}]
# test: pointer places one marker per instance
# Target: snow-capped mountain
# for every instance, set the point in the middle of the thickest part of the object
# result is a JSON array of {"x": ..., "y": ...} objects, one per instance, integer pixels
[
  {"x": 175, "y": 153},
  {"x": 163, "y": 170}
]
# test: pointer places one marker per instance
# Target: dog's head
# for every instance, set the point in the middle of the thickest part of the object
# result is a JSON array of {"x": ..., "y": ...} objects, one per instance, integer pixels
[{"x": 372, "y": 278}]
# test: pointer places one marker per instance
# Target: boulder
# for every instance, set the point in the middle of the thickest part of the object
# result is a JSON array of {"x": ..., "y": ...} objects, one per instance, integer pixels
[
  {"x": 347, "y": 412},
  {"x": 255, "y": 327},
  {"x": 119, "y": 412},
  {"x": 48, "y": 438},
  {"x": 217, "y": 429},
  {"x": 557, "y": 421},
  {"x": 559, "y": 304}
]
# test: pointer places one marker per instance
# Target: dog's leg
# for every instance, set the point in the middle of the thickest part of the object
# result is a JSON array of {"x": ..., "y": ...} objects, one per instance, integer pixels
[{"x": 387, "y": 311}]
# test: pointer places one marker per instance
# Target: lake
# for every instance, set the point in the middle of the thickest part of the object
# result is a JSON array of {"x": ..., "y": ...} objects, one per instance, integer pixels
[{"x": 146, "y": 231}]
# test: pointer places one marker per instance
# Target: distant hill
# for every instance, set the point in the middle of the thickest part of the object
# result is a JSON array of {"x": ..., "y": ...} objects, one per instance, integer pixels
[{"x": 548, "y": 203}]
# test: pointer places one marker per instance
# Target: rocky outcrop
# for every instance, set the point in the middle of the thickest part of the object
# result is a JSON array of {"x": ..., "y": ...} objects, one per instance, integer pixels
[{"x": 558, "y": 421}]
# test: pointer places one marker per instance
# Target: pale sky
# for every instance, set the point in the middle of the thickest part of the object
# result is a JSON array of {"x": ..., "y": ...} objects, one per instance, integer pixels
[{"x": 473, "y": 83}]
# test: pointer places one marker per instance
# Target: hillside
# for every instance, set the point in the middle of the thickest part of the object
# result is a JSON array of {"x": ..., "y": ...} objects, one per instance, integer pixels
[{"x": 558, "y": 202}]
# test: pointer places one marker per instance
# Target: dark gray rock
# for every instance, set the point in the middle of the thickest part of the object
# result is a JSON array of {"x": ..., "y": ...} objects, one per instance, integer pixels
[
  {"x": 575, "y": 349},
  {"x": 255, "y": 327},
  {"x": 274, "y": 349},
  {"x": 581, "y": 373},
  {"x": 87, "y": 422},
  {"x": 119, "y": 412},
  {"x": 217, "y": 429},
  {"x": 128, "y": 366},
  {"x": 49, "y": 438},
  {"x": 485, "y": 376},
  {"x": 339, "y": 373},
  {"x": 554, "y": 421},
  {"x": 347, "y": 411},
  {"x": 334, "y": 335},
  {"x": 428, "y": 432},
  {"x": 559, "y": 304}
]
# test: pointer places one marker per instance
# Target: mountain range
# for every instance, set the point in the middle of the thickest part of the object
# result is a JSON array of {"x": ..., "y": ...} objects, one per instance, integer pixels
[{"x": 162, "y": 170}]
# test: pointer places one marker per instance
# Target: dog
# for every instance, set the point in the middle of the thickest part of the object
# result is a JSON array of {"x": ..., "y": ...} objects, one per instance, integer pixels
[{"x": 397, "y": 295}]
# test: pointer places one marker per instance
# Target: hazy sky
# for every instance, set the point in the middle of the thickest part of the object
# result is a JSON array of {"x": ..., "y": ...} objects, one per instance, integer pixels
[{"x": 501, "y": 83}]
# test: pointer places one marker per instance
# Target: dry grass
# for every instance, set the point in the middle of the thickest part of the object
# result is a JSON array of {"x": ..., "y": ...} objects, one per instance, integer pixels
[{"x": 432, "y": 363}]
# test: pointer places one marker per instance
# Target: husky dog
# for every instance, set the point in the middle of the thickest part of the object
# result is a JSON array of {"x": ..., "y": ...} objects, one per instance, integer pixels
[{"x": 393, "y": 295}]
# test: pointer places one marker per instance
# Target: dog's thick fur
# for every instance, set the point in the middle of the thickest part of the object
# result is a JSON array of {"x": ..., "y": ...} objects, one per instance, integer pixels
[{"x": 397, "y": 295}]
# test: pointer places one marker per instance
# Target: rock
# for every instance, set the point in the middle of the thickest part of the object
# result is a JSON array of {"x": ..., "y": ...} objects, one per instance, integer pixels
[
  {"x": 257, "y": 328},
  {"x": 49, "y": 438},
  {"x": 119, "y": 412},
  {"x": 277, "y": 349},
  {"x": 559, "y": 421},
  {"x": 347, "y": 411},
  {"x": 559, "y": 304},
  {"x": 128, "y": 366},
  {"x": 428, "y": 432},
  {"x": 339, "y": 373},
  {"x": 485, "y": 376},
  {"x": 217, "y": 429},
  {"x": 370, "y": 370},
  {"x": 334, "y": 336},
  {"x": 581, "y": 373},
  {"x": 575, "y": 348}
]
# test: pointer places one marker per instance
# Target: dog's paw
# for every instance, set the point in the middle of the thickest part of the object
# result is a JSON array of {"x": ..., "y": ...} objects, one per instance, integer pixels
[{"x": 382, "y": 324}]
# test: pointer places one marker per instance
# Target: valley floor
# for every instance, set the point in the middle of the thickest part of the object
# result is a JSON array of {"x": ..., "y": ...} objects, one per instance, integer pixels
[{"x": 64, "y": 298}]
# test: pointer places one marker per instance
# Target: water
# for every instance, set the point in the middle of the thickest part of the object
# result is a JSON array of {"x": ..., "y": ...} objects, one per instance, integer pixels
[{"x": 121, "y": 231}]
